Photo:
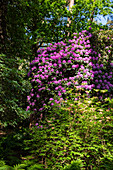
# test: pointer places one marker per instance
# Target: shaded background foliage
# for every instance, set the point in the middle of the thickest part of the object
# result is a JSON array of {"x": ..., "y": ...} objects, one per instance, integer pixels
[{"x": 102, "y": 42}]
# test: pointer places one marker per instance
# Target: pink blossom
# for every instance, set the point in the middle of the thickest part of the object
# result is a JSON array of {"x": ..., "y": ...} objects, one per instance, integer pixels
[
  {"x": 75, "y": 66},
  {"x": 69, "y": 61},
  {"x": 37, "y": 96},
  {"x": 76, "y": 99},
  {"x": 59, "y": 94},
  {"x": 64, "y": 61},
  {"x": 28, "y": 107},
  {"x": 41, "y": 109},
  {"x": 105, "y": 81},
  {"x": 82, "y": 67},
  {"x": 56, "y": 101},
  {"x": 55, "y": 64},
  {"x": 103, "y": 76},
  {"x": 68, "y": 83},
  {"x": 96, "y": 81},
  {"x": 28, "y": 98},
  {"x": 109, "y": 76},
  {"x": 32, "y": 94},
  {"x": 63, "y": 91},
  {"x": 101, "y": 65},
  {"x": 56, "y": 88},
  {"x": 32, "y": 103},
  {"x": 100, "y": 71},
  {"x": 98, "y": 87},
  {"x": 65, "y": 79}
]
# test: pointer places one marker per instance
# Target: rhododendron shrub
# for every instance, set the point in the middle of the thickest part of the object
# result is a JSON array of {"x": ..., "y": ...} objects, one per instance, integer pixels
[
  {"x": 58, "y": 67},
  {"x": 102, "y": 59},
  {"x": 62, "y": 66}
]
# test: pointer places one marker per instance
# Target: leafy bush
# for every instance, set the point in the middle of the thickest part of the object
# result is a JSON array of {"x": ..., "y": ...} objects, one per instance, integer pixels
[
  {"x": 29, "y": 165},
  {"x": 12, "y": 146},
  {"x": 62, "y": 66},
  {"x": 2, "y": 163},
  {"x": 14, "y": 90},
  {"x": 76, "y": 165}
]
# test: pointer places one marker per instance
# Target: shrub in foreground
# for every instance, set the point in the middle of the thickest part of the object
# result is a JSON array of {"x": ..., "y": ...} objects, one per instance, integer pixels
[{"x": 77, "y": 130}]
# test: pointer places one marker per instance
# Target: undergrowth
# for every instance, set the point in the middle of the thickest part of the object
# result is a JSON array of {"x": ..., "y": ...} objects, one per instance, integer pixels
[{"x": 77, "y": 134}]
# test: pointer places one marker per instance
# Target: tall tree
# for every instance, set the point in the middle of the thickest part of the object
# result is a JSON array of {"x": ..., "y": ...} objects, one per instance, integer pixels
[
  {"x": 83, "y": 12},
  {"x": 71, "y": 4},
  {"x": 24, "y": 23}
]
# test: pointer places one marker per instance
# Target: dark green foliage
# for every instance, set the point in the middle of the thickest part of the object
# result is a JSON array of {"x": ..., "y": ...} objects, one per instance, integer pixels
[
  {"x": 76, "y": 165},
  {"x": 12, "y": 147},
  {"x": 26, "y": 165},
  {"x": 28, "y": 27},
  {"x": 6, "y": 167},
  {"x": 14, "y": 89}
]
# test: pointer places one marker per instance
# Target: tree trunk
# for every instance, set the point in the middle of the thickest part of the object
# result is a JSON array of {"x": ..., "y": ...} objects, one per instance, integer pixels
[{"x": 71, "y": 4}]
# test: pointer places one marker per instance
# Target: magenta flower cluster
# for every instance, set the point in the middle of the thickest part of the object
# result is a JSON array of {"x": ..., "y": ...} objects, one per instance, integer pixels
[{"x": 61, "y": 66}]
